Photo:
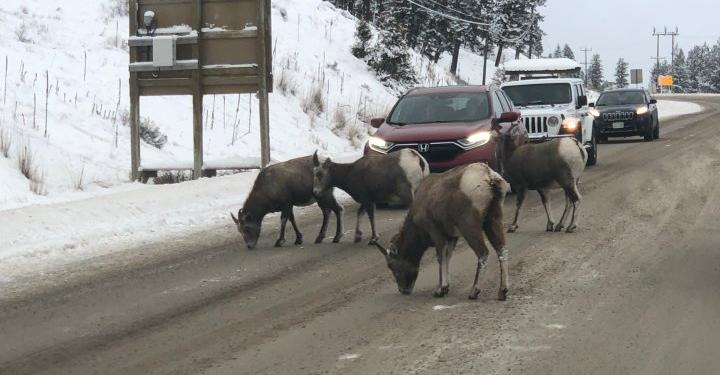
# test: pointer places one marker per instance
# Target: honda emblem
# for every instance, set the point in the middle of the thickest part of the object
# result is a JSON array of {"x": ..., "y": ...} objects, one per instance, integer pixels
[{"x": 424, "y": 147}]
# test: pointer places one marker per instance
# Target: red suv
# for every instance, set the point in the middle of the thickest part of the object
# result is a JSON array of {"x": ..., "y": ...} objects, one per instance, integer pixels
[{"x": 449, "y": 126}]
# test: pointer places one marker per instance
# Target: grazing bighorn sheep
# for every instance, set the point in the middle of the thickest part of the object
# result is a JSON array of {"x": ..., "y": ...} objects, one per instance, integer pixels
[
  {"x": 279, "y": 187},
  {"x": 543, "y": 166},
  {"x": 373, "y": 179},
  {"x": 464, "y": 202}
]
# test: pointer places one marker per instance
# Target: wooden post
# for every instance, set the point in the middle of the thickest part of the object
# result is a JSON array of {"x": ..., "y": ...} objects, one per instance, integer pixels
[
  {"x": 47, "y": 99},
  {"x": 134, "y": 128},
  {"x": 6, "y": 70},
  {"x": 263, "y": 77},
  {"x": 134, "y": 92},
  {"x": 198, "y": 96}
]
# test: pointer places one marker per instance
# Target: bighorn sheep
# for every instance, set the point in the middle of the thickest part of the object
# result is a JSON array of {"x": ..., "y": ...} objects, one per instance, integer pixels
[
  {"x": 543, "y": 166},
  {"x": 466, "y": 202},
  {"x": 371, "y": 180},
  {"x": 279, "y": 187}
]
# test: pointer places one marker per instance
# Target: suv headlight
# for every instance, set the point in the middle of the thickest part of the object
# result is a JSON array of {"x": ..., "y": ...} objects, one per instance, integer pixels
[
  {"x": 476, "y": 140},
  {"x": 553, "y": 121},
  {"x": 595, "y": 113},
  {"x": 641, "y": 110},
  {"x": 571, "y": 124},
  {"x": 379, "y": 144}
]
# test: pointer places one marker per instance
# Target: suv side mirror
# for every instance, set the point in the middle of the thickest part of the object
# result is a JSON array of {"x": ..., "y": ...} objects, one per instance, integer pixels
[
  {"x": 653, "y": 101},
  {"x": 377, "y": 122},
  {"x": 582, "y": 101},
  {"x": 508, "y": 117},
  {"x": 591, "y": 105}
]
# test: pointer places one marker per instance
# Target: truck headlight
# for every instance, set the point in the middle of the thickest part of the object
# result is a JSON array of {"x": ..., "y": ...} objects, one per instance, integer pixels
[
  {"x": 553, "y": 121},
  {"x": 571, "y": 124},
  {"x": 379, "y": 144},
  {"x": 476, "y": 140},
  {"x": 641, "y": 110}
]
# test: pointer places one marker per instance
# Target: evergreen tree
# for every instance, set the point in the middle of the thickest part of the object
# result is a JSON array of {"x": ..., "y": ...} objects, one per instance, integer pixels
[
  {"x": 363, "y": 35},
  {"x": 698, "y": 61},
  {"x": 391, "y": 55},
  {"x": 558, "y": 52},
  {"x": 499, "y": 77},
  {"x": 568, "y": 52},
  {"x": 621, "y": 73},
  {"x": 595, "y": 73},
  {"x": 679, "y": 70},
  {"x": 712, "y": 69}
]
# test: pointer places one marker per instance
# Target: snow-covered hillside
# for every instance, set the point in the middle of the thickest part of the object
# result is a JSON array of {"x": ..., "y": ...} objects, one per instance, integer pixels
[{"x": 87, "y": 142}]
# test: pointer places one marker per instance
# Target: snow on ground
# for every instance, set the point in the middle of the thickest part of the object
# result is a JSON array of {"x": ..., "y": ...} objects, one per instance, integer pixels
[
  {"x": 670, "y": 108},
  {"x": 87, "y": 143},
  {"x": 45, "y": 238}
]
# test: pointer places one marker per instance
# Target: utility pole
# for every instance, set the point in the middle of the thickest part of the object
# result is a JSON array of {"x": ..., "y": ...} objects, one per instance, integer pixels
[
  {"x": 586, "y": 50},
  {"x": 665, "y": 32}
]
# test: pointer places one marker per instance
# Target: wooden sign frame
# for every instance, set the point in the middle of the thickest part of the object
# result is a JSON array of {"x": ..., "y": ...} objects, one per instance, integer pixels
[{"x": 222, "y": 47}]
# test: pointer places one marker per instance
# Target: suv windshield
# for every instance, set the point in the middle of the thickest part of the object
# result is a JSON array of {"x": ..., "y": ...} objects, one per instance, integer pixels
[
  {"x": 555, "y": 93},
  {"x": 442, "y": 107},
  {"x": 621, "y": 98}
]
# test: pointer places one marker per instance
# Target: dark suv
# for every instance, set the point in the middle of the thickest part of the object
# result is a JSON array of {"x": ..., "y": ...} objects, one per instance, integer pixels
[
  {"x": 449, "y": 126},
  {"x": 626, "y": 113}
]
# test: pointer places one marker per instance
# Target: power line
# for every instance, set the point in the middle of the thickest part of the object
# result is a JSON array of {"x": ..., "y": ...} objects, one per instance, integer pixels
[
  {"x": 453, "y": 10},
  {"x": 449, "y": 16},
  {"x": 672, "y": 34}
]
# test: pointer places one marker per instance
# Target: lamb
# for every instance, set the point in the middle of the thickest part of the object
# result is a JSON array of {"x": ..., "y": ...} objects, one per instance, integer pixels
[
  {"x": 466, "y": 202},
  {"x": 543, "y": 166},
  {"x": 279, "y": 187},
  {"x": 372, "y": 180}
]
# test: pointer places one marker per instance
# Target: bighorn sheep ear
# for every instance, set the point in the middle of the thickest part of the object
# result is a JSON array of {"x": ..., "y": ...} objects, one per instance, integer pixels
[
  {"x": 316, "y": 159},
  {"x": 382, "y": 249},
  {"x": 234, "y": 218}
]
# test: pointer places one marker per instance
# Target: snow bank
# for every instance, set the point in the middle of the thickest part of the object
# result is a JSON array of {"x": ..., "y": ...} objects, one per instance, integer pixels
[
  {"x": 539, "y": 65},
  {"x": 668, "y": 108}
]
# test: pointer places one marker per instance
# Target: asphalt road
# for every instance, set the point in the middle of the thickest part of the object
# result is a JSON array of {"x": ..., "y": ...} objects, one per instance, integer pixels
[{"x": 635, "y": 291}]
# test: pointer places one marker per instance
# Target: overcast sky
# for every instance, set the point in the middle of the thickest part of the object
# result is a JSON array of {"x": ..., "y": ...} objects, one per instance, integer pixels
[{"x": 623, "y": 28}]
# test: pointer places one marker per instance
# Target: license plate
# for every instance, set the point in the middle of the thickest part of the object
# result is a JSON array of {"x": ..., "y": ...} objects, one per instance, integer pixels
[{"x": 618, "y": 125}]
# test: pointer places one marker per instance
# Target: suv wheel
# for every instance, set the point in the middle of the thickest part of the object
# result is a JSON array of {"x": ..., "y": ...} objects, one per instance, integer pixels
[
  {"x": 650, "y": 134},
  {"x": 656, "y": 132},
  {"x": 592, "y": 151}
]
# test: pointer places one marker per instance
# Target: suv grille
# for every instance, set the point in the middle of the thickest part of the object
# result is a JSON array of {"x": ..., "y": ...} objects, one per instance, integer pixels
[
  {"x": 536, "y": 125},
  {"x": 618, "y": 116},
  {"x": 442, "y": 151}
]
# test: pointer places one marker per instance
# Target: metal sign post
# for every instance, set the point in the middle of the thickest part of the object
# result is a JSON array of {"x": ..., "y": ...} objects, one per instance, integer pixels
[
  {"x": 636, "y": 76},
  {"x": 197, "y": 48}
]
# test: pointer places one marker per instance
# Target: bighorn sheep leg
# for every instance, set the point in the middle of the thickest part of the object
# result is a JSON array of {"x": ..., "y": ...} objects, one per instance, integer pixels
[
  {"x": 298, "y": 235},
  {"x": 548, "y": 210},
  {"x": 283, "y": 222},
  {"x": 496, "y": 236},
  {"x": 520, "y": 199},
  {"x": 371, "y": 217},
  {"x": 561, "y": 224},
  {"x": 358, "y": 233}
]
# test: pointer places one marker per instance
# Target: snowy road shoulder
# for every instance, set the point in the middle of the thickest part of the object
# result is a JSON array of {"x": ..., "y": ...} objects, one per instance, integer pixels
[{"x": 671, "y": 108}]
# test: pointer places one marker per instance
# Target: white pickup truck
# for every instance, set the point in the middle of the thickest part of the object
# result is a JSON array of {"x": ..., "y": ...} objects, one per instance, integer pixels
[{"x": 555, "y": 107}]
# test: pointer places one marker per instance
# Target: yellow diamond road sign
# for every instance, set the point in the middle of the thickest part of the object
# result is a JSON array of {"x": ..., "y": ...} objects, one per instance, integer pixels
[{"x": 665, "y": 81}]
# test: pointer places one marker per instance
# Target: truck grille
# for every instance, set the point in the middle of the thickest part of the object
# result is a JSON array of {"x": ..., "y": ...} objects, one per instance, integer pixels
[
  {"x": 536, "y": 125},
  {"x": 432, "y": 152},
  {"x": 618, "y": 116}
]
